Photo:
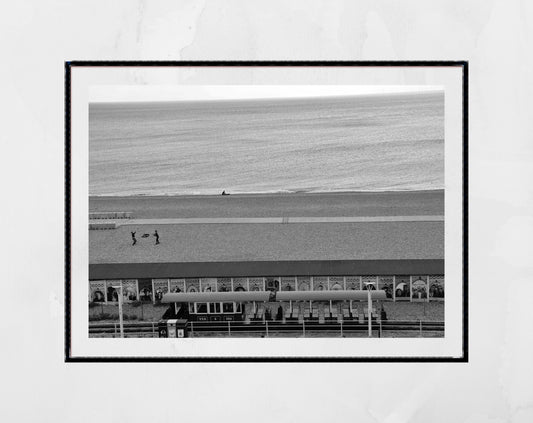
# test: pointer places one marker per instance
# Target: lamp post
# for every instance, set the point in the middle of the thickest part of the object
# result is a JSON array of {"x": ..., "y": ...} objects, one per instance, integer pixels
[
  {"x": 120, "y": 310},
  {"x": 369, "y": 309}
]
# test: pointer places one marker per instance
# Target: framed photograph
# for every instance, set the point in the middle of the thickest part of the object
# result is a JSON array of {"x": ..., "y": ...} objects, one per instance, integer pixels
[{"x": 266, "y": 211}]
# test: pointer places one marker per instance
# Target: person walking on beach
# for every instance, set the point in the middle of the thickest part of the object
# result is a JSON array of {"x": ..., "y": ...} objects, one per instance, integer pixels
[
  {"x": 133, "y": 237},
  {"x": 156, "y": 237}
]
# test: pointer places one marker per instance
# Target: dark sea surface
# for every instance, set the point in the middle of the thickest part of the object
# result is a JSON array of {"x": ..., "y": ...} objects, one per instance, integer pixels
[{"x": 371, "y": 143}]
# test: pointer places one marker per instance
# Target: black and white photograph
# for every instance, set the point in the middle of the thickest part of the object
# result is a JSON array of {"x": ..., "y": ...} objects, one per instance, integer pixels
[
  {"x": 329, "y": 203},
  {"x": 256, "y": 213}
]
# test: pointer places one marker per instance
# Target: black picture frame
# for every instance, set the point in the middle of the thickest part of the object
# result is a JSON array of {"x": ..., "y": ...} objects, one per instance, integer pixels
[{"x": 69, "y": 65}]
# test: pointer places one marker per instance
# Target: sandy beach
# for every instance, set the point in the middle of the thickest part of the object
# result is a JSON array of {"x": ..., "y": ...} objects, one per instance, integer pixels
[{"x": 409, "y": 203}]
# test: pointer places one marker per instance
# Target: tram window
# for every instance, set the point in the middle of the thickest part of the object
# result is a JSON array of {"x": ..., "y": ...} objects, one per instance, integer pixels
[
  {"x": 238, "y": 308},
  {"x": 201, "y": 307},
  {"x": 214, "y": 307},
  {"x": 191, "y": 307},
  {"x": 227, "y": 307}
]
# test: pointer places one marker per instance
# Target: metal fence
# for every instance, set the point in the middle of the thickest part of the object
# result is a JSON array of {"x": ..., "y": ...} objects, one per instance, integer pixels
[{"x": 264, "y": 329}]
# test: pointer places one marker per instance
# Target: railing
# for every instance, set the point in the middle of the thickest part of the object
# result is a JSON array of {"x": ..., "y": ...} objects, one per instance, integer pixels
[
  {"x": 308, "y": 328},
  {"x": 131, "y": 330}
]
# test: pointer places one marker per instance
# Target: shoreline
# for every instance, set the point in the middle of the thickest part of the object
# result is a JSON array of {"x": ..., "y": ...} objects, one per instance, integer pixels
[{"x": 265, "y": 194}]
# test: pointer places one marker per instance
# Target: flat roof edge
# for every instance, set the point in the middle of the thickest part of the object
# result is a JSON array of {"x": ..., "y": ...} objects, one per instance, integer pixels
[{"x": 266, "y": 269}]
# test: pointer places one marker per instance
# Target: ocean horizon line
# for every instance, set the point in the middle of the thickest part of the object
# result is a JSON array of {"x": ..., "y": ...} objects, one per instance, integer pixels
[{"x": 272, "y": 99}]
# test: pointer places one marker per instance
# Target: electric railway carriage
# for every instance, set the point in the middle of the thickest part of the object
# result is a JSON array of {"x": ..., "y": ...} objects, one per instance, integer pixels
[
  {"x": 278, "y": 306},
  {"x": 264, "y": 312}
]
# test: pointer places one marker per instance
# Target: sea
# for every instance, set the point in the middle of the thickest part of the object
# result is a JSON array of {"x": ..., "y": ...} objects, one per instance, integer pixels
[{"x": 389, "y": 142}]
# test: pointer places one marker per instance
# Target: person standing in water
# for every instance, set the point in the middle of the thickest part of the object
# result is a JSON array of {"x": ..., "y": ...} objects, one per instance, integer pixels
[
  {"x": 133, "y": 237},
  {"x": 156, "y": 237}
]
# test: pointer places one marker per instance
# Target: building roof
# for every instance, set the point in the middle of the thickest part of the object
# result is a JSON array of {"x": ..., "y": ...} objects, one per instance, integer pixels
[
  {"x": 265, "y": 269},
  {"x": 334, "y": 295}
]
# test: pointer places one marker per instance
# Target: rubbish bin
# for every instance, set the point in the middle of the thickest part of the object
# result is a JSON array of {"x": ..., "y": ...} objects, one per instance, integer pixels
[
  {"x": 162, "y": 329},
  {"x": 181, "y": 328},
  {"x": 171, "y": 327}
]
